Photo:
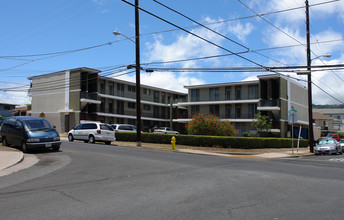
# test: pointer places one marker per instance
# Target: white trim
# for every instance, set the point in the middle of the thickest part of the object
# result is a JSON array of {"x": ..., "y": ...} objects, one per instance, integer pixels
[
  {"x": 185, "y": 120},
  {"x": 268, "y": 108},
  {"x": 49, "y": 93},
  {"x": 132, "y": 100},
  {"x": 131, "y": 117},
  {"x": 219, "y": 102},
  {"x": 75, "y": 90},
  {"x": 83, "y": 100},
  {"x": 67, "y": 87}
]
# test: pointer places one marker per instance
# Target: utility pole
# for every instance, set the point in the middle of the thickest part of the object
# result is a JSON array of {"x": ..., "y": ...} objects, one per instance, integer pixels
[
  {"x": 309, "y": 60},
  {"x": 138, "y": 69}
]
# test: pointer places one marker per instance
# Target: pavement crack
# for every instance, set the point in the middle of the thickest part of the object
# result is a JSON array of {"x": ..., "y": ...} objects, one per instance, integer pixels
[{"x": 70, "y": 197}]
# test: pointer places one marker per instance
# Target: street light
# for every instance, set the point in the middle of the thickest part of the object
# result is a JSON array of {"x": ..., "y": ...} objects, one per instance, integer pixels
[
  {"x": 324, "y": 55},
  {"x": 138, "y": 86}
]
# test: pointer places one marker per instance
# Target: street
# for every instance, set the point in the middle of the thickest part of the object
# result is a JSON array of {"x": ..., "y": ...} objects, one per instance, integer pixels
[{"x": 97, "y": 181}]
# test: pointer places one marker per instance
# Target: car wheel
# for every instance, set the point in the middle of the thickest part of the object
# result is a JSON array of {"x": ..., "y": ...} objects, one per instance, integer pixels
[
  {"x": 56, "y": 148},
  {"x": 108, "y": 142},
  {"x": 70, "y": 138},
  {"x": 24, "y": 147},
  {"x": 91, "y": 139},
  {"x": 4, "y": 141}
]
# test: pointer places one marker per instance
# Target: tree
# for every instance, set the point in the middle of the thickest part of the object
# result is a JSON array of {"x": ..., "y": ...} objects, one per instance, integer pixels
[
  {"x": 262, "y": 124},
  {"x": 202, "y": 124}
]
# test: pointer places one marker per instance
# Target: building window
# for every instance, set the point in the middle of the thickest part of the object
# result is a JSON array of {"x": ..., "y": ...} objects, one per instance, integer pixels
[
  {"x": 146, "y": 107},
  {"x": 253, "y": 92},
  {"x": 120, "y": 120},
  {"x": 132, "y": 121},
  {"x": 228, "y": 93},
  {"x": 214, "y": 94},
  {"x": 110, "y": 107},
  {"x": 131, "y": 104},
  {"x": 7, "y": 107},
  {"x": 156, "y": 112},
  {"x": 252, "y": 110},
  {"x": 156, "y": 96},
  {"x": 214, "y": 110},
  {"x": 111, "y": 89},
  {"x": 120, "y": 107},
  {"x": 120, "y": 89},
  {"x": 102, "y": 105},
  {"x": 146, "y": 91},
  {"x": 228, "y": 111},
  {"x": 163, "y": 97},
  {"x": 237, "y": 92},
  {"x": 131, "y": 88},
  {"x": 194, "y": 109},
  {"x": 194, "y": 95},
  {"x": 238, "y": 111},
  {"x": 102, "y": 88}
]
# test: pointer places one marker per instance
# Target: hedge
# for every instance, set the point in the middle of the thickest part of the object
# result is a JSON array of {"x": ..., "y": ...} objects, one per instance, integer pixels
[{"x": 210, "y": 141}]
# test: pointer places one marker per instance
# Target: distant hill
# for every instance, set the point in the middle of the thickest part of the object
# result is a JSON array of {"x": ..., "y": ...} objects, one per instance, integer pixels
[{"x": 327, "y": 106}]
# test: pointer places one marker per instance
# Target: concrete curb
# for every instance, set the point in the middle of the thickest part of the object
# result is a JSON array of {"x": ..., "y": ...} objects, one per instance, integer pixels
[{"x": 10, "y": 158}]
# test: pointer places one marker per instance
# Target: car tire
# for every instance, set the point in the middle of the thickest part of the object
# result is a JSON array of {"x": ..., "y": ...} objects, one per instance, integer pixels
[
  {"x": 4, "y": 142},
  {"x": 107, "y": 142},
  {"x": 24, "y": 147},
  {"x": 70, "y": 138},
  {"x": 56, "y": 148},
  {"x": 91, "y": 139}
]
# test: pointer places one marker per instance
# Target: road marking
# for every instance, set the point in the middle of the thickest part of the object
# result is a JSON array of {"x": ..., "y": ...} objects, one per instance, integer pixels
[{"x": 337, "y": 159}]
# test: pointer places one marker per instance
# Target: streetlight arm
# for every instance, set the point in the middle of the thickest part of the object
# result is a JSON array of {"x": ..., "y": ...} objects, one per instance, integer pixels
[{"x": 116, "y": 33}]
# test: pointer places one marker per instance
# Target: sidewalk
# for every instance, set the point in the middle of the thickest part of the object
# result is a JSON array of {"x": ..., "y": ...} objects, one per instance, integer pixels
[{"x": 11, "y": 156}]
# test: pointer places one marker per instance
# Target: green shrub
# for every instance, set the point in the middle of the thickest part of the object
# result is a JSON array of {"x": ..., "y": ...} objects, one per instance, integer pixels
[{"x": 210, "y": 141}]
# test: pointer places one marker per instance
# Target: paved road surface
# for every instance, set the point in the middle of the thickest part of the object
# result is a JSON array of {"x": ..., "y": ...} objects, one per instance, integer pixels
[{"x": 96, "y": 181}]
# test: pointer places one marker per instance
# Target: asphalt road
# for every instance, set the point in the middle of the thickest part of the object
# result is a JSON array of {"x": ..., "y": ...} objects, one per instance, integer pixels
[{"x": 97, "y": 181}]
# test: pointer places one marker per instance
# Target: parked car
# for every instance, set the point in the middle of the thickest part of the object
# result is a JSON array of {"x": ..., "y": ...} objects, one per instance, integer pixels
[
  {"x": 152, "y": 128},
  {"x": 124, "y": 128},
  {"x": 92, "y": 132},
  {"x": 165, "y": 130},
  {"x": 341, "y": 142},
  {"x": 29, "y": 133},
  {"x": 334, "y": 136},
  {"x": 328, "y": 145}
]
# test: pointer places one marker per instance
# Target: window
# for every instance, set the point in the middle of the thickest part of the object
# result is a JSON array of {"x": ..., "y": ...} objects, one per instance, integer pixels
[
  {"x": 120, "y": 108},
  {"x": 111, "y": 89},
  {"x": 214, "y": 94},
  {"x": 146, "y": 107},
  {"x": 156, "y": 112},
  {"x": 252, "y": 110},
  {"x": 163, "y": 97},
  {"x": 237, "y": 92},
  {"x": 102, "y": 105},
  {"x": 102, "y": 88},
  {"x": 156, "y": 96},
  {"x": 228, "y": 93},
  {"x": 110, "y": 107},
  {"x": 238, "y": 111},
  {"x": 146, "y": 91},
  {"x": 131, "y": 88},
  {"x": 131, "y": 104},
  {"x": 194, "y": 109},
  {"x": 120, "y": 89},
  {"x": 228, "y": 111},
  {"x": 132, "y": 122},
  {"x": 214, "y": 109},
  {"x": 194, "y": 95},
  {"x": 253, "y": 92}
]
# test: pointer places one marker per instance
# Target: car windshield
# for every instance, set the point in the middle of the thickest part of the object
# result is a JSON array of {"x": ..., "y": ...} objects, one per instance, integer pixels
[
  {"x": 37, "y": 124},
  {"x": 329, "y": 135},
  {"x": 341, "y": 141},
  {"x": 329, "y": 141}
]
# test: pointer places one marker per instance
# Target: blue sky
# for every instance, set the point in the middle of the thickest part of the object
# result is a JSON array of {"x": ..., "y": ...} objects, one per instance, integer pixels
[{"x": 43, "y": 27}]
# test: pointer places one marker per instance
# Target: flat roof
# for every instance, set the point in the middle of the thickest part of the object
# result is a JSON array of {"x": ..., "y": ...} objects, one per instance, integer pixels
[{"x": 82, "y": 69}]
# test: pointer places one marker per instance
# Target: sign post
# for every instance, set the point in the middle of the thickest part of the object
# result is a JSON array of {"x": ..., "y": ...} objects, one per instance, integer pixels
[{"x": 292, "y": 119}]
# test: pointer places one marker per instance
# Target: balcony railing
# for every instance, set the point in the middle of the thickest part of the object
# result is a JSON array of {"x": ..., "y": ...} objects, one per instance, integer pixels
[
  {"x": 89, "y": 95},
  {"x": 271, "y": 102}
]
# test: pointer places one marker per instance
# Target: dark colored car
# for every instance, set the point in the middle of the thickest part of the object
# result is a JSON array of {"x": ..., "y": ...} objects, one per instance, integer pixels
[{"x": 29, "y": 133}]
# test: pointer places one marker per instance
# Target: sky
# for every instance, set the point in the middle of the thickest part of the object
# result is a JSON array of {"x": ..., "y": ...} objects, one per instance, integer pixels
[{"x": 39, "y": 37}]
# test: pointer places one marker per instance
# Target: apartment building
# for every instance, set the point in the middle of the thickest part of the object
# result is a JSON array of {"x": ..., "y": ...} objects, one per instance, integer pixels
[
  {"x": 272, "y": 95},
  {"x": 67, "y": 98}
]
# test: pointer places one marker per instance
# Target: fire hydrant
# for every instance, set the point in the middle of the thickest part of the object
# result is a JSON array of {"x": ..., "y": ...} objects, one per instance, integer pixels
[{"x": 173, "y": 142}]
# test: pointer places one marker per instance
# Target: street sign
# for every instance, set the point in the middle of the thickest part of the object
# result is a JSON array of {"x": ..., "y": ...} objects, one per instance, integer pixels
[
  {"x": 292, "y": 110},
  {"x": 292, "y": 118}
]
